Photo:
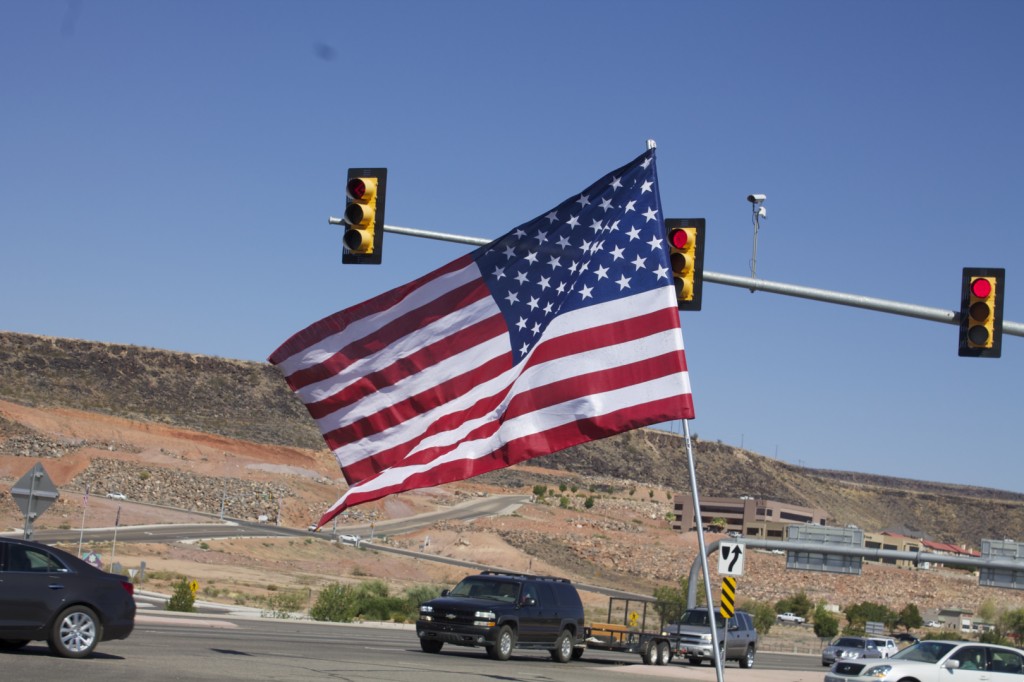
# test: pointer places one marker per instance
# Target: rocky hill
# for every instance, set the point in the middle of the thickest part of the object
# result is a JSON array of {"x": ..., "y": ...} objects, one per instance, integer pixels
[{"x": 250, "y": 401}]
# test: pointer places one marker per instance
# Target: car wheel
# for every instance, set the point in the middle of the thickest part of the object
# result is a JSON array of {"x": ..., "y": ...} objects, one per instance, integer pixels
[
  {"x": 577, "y": 654},
  {"x": 503, "y": 644},
  {"x": 562, "y": 653},
  {"x": 12, "y": 644},
  {"x": 431, "y": 646},
  {"x": 748, "y": 660},
  {"x": 75, "y": 633},
  {"x": 664, "y": 654}
]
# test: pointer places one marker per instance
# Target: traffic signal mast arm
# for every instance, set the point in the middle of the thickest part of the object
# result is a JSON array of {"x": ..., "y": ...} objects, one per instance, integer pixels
[{"x": 826, "y": 296}]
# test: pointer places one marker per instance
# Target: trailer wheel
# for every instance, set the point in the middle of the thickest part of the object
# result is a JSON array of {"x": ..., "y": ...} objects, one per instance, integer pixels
[
  {"x": 694, "y": 661},
  {"x": 664, "y": 654},
  {"x": 649, "y": 652}
]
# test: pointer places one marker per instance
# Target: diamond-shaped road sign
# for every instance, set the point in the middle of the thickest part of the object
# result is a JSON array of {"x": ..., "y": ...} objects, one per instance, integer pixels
[{"x": 34, "y": 492}]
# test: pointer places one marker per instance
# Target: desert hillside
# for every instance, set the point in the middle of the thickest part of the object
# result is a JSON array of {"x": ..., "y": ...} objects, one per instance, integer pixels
[
  {"x": 249, "y": 401},
  {"x": 203, "y": 437}
]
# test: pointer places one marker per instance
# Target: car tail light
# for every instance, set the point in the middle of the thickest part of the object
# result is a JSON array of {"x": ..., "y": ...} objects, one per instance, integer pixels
[{"x": 128, "y": 587}]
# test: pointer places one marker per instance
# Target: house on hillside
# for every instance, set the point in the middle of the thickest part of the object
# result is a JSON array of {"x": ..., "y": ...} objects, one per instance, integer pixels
[
  {"x": 755, "y": 518},
  {"x": 892, "y": 541}
]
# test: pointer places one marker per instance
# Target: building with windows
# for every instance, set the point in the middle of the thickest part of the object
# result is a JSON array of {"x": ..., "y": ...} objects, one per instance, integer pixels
[{"x": 758, "y": 518}]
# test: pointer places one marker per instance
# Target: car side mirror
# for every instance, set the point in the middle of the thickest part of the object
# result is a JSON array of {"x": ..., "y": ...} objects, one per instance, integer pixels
[
  {"x": 444, "y": 593},
  {"x": 951, "y": 663},
  {"x": 529, "y": 601}
]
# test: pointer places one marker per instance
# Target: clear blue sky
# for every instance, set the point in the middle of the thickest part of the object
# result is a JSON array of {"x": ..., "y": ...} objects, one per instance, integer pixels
[{"x": 167, "y": 170}]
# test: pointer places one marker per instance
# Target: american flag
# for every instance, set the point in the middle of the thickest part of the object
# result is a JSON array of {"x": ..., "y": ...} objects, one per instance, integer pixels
[{"x": 562, "y": 331}]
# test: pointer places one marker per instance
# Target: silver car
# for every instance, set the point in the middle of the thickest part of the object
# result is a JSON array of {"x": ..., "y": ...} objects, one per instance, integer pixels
[
  {"x": 849, "y": 649},
  {"x": 937, "y": 661}
]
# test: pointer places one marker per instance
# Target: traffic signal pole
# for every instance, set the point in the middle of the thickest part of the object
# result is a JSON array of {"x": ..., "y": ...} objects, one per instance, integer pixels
[{"x": 824, "y": 295}]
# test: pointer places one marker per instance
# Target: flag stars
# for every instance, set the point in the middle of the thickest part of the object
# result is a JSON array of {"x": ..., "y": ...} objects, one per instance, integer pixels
[{"x": 585, "y": 251}]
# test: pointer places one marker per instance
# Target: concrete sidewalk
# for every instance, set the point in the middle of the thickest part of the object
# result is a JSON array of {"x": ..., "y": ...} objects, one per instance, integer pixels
[{"x": 705, "y": 673}]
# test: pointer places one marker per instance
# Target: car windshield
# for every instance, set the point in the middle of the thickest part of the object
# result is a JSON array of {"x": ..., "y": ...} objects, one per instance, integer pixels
[
  {"x": 701, "y": 618},
  {"x": 927, "y": 652},
  {"x": 496, "y": 590},
  {"x": 849, "y": 642}
]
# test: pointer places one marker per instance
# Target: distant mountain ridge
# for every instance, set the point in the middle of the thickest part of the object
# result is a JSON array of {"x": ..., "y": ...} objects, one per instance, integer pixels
[{"x": 250, "y": 401}]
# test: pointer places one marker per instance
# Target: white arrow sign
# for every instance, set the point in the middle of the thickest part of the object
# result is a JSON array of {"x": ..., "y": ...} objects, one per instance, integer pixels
[{"x": 730, "y": 558}]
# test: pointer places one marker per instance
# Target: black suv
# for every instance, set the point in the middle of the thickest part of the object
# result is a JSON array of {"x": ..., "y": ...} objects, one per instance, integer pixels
[{"x": 502, "y": 611}]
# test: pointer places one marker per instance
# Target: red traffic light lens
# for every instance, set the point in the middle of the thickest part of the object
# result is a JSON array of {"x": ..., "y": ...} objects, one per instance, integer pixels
[
  {"x": 981, "y": 288},
  {"x": 356, "y": 188},
  {"x": 678, "y": 238}
]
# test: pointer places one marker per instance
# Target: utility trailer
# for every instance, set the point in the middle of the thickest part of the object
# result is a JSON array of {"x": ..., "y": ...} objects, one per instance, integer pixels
[{"x": 626, "y": 631}]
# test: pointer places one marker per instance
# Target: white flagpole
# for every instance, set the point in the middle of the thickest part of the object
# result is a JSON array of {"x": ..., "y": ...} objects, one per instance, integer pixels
[
  {"x": 703, "y": 552},
  {"x": 81, "y": 531}
]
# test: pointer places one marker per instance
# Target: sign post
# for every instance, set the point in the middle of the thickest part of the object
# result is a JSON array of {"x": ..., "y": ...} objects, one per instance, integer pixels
[{"x": 34, "y": 493}]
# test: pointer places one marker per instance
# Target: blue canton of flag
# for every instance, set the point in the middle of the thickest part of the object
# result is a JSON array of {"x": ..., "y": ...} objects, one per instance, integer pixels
[{"x": 606, "y": 243}]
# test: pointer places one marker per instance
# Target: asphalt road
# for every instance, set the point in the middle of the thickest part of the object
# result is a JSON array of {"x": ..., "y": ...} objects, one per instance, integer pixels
[{"x": 178, "y": 647}]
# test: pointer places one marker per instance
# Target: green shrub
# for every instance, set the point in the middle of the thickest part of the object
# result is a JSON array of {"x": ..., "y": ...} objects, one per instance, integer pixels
[
  {"x": 283, "y": 604},
  {"x": 182, "y": 599},
  {"x": 762, "y": 613},
  {"x": 589, "y": 502},
  {"x": 826, "y": 625}
]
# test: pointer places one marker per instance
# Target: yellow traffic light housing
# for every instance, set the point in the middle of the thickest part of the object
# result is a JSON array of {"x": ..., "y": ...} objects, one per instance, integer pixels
[
  {"x": 981, "y": 312},
  {"x": 686, "y": 254},
  {"x": 364, "y": 215}
]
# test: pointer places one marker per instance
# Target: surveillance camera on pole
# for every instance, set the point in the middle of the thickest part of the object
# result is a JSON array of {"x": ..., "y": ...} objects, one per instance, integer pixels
[{"x": 758, "y": 211}]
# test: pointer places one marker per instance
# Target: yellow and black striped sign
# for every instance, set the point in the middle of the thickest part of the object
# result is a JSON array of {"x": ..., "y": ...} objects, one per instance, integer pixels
[{"x": 728, "y": 607}]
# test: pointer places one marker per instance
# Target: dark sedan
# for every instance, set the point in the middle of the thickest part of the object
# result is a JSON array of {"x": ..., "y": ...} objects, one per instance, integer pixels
[{"x": 48, "y": 594}]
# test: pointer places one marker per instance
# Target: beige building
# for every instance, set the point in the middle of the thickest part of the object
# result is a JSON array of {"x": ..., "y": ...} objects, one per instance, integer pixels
[
  {"x": 893, "y": 541},
  {"x": 757, "y": 518}
]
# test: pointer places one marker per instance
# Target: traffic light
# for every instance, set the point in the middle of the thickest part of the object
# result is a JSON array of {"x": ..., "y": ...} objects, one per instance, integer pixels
[
  {"x": 981, "y": 312},
  {"x": 686, "y": 253},
  {"x": 364, "y": 215}
]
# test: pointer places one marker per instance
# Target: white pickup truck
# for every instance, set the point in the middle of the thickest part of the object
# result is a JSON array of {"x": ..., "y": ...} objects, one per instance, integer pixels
[{"x": 788, "y": 617}]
